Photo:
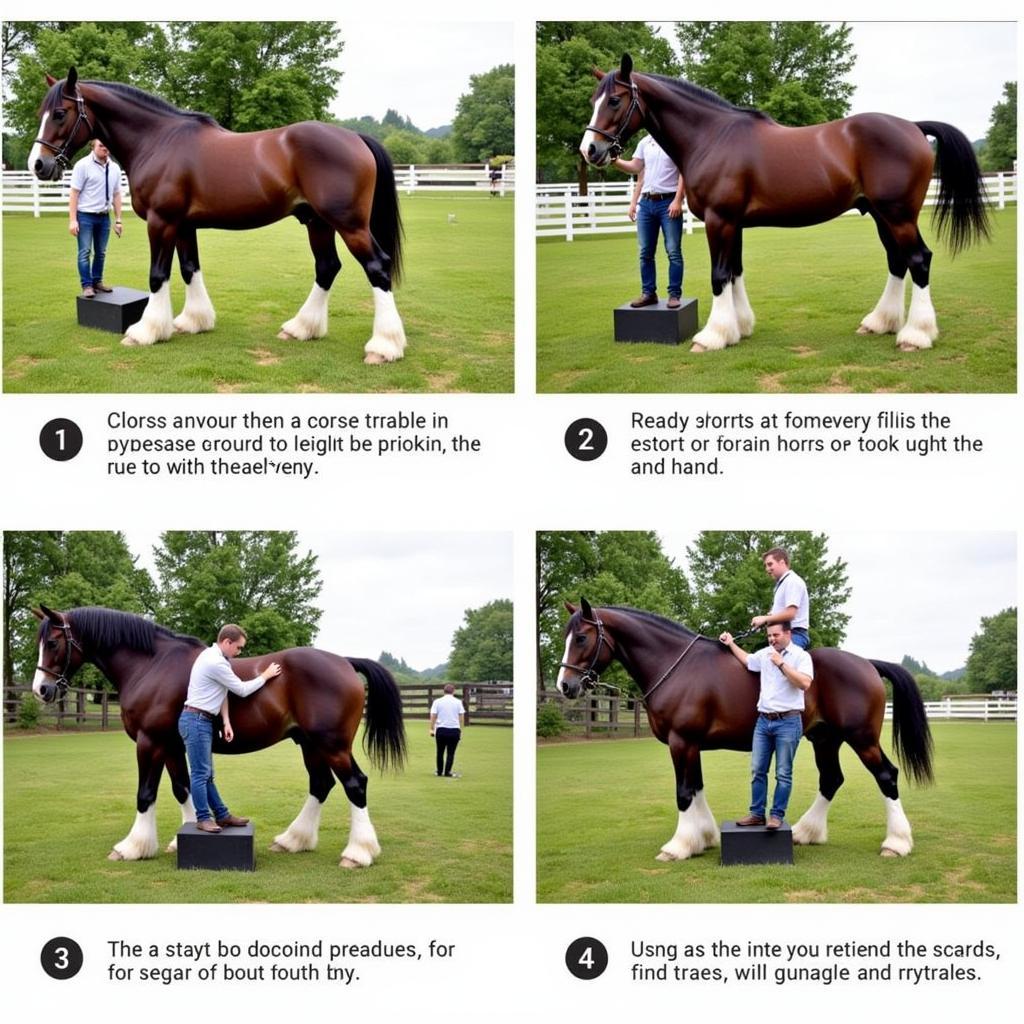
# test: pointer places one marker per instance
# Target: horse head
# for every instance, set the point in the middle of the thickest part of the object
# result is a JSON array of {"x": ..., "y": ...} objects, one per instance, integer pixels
[
  {"x": 588, "y": 651},
  {"x": 65, "y": 126},
  {"x": 60, "y": 655},
  {"x": 617, "y": 114}
]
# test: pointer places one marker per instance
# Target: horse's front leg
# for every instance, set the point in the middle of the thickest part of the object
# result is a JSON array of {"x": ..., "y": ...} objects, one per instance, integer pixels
[
  {"x": 744, "y": 313},
  {"x": 723, "y": 327},
  {"x": 198, "y": 314},
  {"x": 141, "y": 842},
  {"x": 157, "y": 323},
  {"x": 696, "y": 829},
  {"x": 177, "y": 771}
]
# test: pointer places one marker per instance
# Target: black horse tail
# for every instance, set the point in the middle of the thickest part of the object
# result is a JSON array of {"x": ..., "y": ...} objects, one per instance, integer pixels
[
  {"x": 911, "y": 737},
  {"x": 385, "y": 217},
  {"x": 385, "y": 730},
  {"x": 961, "y": 216}
]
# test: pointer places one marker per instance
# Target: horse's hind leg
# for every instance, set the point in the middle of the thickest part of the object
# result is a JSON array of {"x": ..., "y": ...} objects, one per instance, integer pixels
[
  {"x": 813, "y": 826},
  {"x": 198, "y": 314},
  {"x": 141, "y": 842},
  {"x": 304, "y": 832},
  {"x": 362, "y": 846},
  {"x": 722, "y": 328},
  {"x": 887, "y": 316},
  {"x": 177, "y": 770},
  {"x": 898, "y": 840},
  {"x": 696, "y": 829},
  {"x": 311, "y": 320},
  {"x": 744, "y": 314},
  {"x": 921, "y": 328}
]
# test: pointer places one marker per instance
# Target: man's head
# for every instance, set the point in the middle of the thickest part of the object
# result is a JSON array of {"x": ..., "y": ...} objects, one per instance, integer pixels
[
  {"x": 231, "y": 640},
  {"x": 776, "y": 562},
  {"x": 100, "y": 151},
  {"x": 779, "y": 635},
  {"x": 449, "y": 689}
]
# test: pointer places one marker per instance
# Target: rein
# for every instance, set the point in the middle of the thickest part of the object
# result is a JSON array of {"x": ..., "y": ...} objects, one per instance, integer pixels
[
  {"x": 61, "y": 156},
  {"x": 616, "y": 140},
  {"x": 61, "y": 678}
]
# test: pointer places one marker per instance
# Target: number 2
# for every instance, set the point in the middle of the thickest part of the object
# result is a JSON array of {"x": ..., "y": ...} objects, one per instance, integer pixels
[{"x": 586, "y": 436}]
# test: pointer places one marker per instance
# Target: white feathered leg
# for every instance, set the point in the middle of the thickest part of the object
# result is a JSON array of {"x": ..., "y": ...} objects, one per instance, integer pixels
[
  {"x": 198, "y": 314},
  {"x": 388, "y": 341},
  {"x": 304, "y": 832},
  {"x": 812, "y": 828},
  {"x": 188, "y": 815},
  {"x": 157, "y": 323},
  {"x": 140, "y": 843},
  {"x": 887, "y": 316},
  {"x": 898, "y": 840},
  {"x": 362, "y": 840}
]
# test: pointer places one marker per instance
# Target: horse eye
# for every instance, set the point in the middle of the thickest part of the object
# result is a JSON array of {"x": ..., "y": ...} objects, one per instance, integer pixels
[
  {"x": 580, "y": 638},
  {"x": 614, "y": 102},
  {"x": 59, "y": 115},
  {"x": 51, "y": 644}
]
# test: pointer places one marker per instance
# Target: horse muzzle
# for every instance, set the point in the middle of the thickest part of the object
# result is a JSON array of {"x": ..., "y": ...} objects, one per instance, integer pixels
[
  {"x": 48, "y": 692},
  {"x": 46, "y": 168}
]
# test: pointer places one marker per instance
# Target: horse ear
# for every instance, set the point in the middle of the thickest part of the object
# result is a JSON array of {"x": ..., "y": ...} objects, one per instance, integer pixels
[
  {"x": 38, "y": 613},
  {"x": 588, "y": 612},
  {"x": 626, "y": 68},
  {"x": 570, "y": 608},
  {"x": 72, "y": 78},
  {"x": 52, "y": 616},
  {"x": 50, "y": 80},
  {"x": 597, "y": 73}
]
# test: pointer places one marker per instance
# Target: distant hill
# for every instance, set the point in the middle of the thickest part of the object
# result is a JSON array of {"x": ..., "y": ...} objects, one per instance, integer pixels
[
  {"x": 919, "y": 668},
  {"x": 405, "y": 673},
  {"x": 439, "y": 133}
]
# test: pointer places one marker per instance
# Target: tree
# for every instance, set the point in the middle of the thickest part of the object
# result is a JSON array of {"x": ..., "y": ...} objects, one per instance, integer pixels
[
  {"x": 1001, "y": 141},
  {"x": 404, "y": 147},
  {"x": 484, "y": 124},
  {"x": 732, "y": 586},
  {"x": 482, "y": 648},
  {"x": 793, "y": 70},
  {"x": 992, "y": 663},
  {"x": 567, "y": 51},
  {"x": 256, "y": 579}
]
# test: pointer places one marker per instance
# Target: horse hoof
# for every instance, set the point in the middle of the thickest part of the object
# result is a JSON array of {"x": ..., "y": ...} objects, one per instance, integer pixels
[
  {"x": 886, "y": 852},
  {"x": 697, "y": 348},
  {"x": 285, "y": 336},
  {"x": 129, "y": 342},
  {"x": 665, "y": 858},
  {"x": 114, "y": 855},
  {"x": 374, "y": 359},
  {"x": 347, "y": 862},
  {"x": 864, "y": 330},
  {"x": 904, "y": 347}
]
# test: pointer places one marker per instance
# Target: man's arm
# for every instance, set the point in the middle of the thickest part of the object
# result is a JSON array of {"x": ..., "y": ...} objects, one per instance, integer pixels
[
  {"x": 675, "y": 208},
  {"x": 229, "y": 733},
  {"x": 433, "y": 722},
  {"x": 637, "y": 190},
  {"x": 738, "y": 652},
  {"x": 788, "y": 614},
  {"x": 631, "y": 166},
  {"x": 118, "y": 201},
  {"x": 801, "y": 680},
  {"x": 224, "y": 675},
  {"x": 73, "y": 212}
]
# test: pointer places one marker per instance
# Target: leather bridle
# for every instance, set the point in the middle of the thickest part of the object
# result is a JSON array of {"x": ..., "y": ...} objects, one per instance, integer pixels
[
  {"x": 61, "y": 153},
  {"x": 61, "y": 678},
  {"x": 616, "y": 138}
]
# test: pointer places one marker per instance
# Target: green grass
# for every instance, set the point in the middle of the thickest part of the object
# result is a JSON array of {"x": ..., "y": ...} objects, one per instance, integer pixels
[
  {"x": 68, "y": 799},
  {"x": 809, "y": 290},
  {"x": 606, "y": 807},
  {"x": 456, "y": 301}
]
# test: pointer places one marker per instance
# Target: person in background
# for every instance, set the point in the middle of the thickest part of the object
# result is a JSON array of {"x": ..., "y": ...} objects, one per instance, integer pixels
[
  {"x": 95, "y": 189},
  {"x": 447, "y": 716}
]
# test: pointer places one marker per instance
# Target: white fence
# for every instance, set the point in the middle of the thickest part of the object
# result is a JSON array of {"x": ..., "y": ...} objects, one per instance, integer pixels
[
  {"x": 23, "y": 192},
  {"x": 562, "y": 212},
  {"x": 988, "y": 709}
]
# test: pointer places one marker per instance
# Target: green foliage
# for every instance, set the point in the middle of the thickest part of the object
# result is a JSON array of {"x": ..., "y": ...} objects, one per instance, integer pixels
[
  {"x": 482, "y": 648},
  {"x": 732, "y": 586},
  {"x": 484, "y": 122},
  {"x": 550, "y": 721},
  {"x": 793, "y": 70},
  {"x": 29, "y": 710},
  {"x": 567, "y": 51},
  {"x": 1000, "y": 149},
  {"x": 992, "y": 663}
]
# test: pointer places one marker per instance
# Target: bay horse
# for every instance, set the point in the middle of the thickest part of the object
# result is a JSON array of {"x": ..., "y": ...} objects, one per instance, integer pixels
[
  {"x": 317, "y": 701},
  {"x": 699, "y": 697},
  {"x": 187, "y": 172},
  {"x": 742, "y": 169}
]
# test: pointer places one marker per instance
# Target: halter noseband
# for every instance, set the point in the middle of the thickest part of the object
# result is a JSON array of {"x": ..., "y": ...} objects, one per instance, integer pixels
[
  {"x": 61, "y": 152},
  {"x": 61, "y": 678},
  {"x": 616, "y": 139},
  {"x": 589, "y": 677}
]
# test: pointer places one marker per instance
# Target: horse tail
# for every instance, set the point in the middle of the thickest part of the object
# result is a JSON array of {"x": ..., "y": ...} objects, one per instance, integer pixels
[
  {"x": 385, "y": 217},
  {"x": 911, "y": 737},
  {"x": 961, "y": 216},
  {"x": 385, "y": 730}
]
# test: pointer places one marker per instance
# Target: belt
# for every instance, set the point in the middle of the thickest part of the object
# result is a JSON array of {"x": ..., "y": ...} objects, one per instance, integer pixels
[
  {"x": 658, "y": 196},
  {"x": 200, "y": 711},
  {"x": 774, "y": 716}
]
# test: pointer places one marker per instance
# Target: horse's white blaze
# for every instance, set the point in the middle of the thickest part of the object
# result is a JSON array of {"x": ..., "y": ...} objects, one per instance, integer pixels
[
  {"x": 813, "y": 826},
  {"x": 40, "y": 677},
  {"x": 388, "y": 340},
  {"x": 887, "y": 316},
  {"x": 921, "y": 328},
  {"x": 362, "y": 838},
  {"x": 744, "y": 314},
  {"x": 722, "y": 328},
  {"x": 188, "y": 815},
  {"x": 304, "y": 832},
  {"x": 157, "y": 323},
  {"x": 37, "y": 151},
  {"x": 589, "y": 137},
  {"x": 565, "y": 658},
  {"x": 311, "y": 319},
  {"x": 198, "y": 314},
  {"x": 898, "y": 837},
  {"x": 691, "y": 833},
  {"x": 140, "y": 843}
]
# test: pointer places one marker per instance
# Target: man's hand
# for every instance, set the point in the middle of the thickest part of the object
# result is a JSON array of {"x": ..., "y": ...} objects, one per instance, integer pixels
[
  {"x": 73, "y": 228},
  {"x": 777, "y": 660},
  {"x": 229, "y": 733},
  {"x": 675, "y": 208},
  {"x": 272, "y": 671},
  {"x": 632, "y": 212},
  {"x": 726, "y": 638},
  {"x": 118, "y": 228},
  {"x": 758, "y": 621}
]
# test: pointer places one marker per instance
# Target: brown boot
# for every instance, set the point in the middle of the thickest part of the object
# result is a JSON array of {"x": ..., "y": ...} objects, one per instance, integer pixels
[
  {"x": 208, "y": 826},
  {"x": 88, "y": 292},
  {"x": 751, "y": 819},
  {"x": 231, "y": 821},
  {"x": 774, "y": 823},
  {"x": 101, "y": 287},
  {"x": 647, "y": 299}
]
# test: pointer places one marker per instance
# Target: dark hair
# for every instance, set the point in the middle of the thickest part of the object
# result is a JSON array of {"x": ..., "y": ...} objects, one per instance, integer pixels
[
  {"x": 449, "y": 688},
  {"x": 780, "y": 554},
  {"x": 231, "y": 632},
  {"x": 784, "y": 626}
]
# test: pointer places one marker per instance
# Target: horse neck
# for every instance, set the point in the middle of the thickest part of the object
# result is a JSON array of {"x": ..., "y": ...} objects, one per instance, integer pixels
[
  {"x": 677, "y": 121},
  {"x": 641, "y": 646},
  {"x": 121, "y": 125},
  {"x": 122, "y": 666}
]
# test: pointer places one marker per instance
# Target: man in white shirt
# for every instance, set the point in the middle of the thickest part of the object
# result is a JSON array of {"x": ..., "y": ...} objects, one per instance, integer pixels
[
  {"x": 657, "y": 205},
  {"x": 211, "y": 680},
  {"x": 95, "y": 188},
  {"x": 790, "y": 602},
  {"x": 447, "y": 716},
  {"x": 786, "y": 672}
]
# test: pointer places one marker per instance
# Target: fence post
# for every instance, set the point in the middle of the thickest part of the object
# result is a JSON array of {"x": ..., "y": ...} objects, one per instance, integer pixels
[
  {"x": 465, "y": 702},
  {"x": 501, "y": 187},
  {"x": 568, "y": 216},
  {"x": 104, "y": 709},
  {"x": 1002, "y": 191}
]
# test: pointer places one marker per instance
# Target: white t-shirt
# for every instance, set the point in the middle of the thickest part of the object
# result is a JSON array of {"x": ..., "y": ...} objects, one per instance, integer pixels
[
  {"x": 791, "y": 590},
  {"x": 447, "y": 708},
  {"x": 660, "y": 174},
  {"x": 212, "y": 677},
  {"x": 777, "y": 692},
  {"x": 96, "y": 184}
]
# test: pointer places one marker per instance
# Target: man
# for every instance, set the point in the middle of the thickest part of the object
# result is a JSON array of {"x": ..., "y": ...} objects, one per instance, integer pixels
[
  {"x": 95, "y": 187},
  {"x": 657, "y": 204},
  {"x": 790, "y": 603},
  {"x": 786, "y": 672},
  {"x": 208, "y": 686},
  {"x": 447, "y": 716}
]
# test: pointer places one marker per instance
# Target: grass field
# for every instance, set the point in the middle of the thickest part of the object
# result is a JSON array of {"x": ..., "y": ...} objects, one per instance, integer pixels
[
  {"x": 604, "y": 808},
  {"x": 69, "y": 798},
  {"x": 456, "y": 301},
  {"x": 809, "y": 290}
]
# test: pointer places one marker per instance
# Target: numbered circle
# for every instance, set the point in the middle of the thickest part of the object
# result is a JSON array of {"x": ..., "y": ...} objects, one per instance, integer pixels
[
  {"x": 586, "y": 958},
  {"x": 61, "y": 440},
  {"x": 61, "y": 958},
  {"x": 586, "y": 440}
]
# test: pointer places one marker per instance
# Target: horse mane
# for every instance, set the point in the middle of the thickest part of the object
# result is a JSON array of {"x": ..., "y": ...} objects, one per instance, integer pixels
[
  {"x": 133, "y": 95},
  {"x": 105, "y": 628},
  {"x": 707, "y": 98}
]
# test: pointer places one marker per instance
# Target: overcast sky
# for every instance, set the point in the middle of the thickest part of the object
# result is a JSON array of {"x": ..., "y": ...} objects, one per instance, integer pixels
[
  {"x": 921, "y": 594},
  {"x": 930, "y": 71},
  {"x": 419, "y": 69},
  {"x": 400, "y": 592}
]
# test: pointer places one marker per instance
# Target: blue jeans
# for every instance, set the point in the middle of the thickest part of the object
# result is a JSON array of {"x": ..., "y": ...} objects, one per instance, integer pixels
[
  {"x": 93, "y": 233},
  {"x": 780, "y": 738},
  {"x": 652, "y": 216},
  {"x": 802, "y": 640},
  {"x": 197, "y": 732}
]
